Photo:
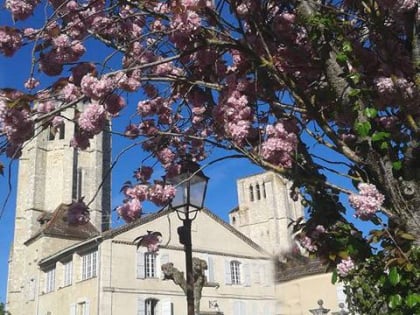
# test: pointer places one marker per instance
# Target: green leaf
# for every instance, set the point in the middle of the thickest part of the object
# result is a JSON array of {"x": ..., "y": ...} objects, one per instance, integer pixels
[
  {"x": 347, "y": 47},
  {"x": 371, "y": 112},
  {"x": 341, "y": 57},
  {"x": 380, "y": 135},
  {"x": 354, "y": 92},
  {"x": 355, "y": 77},
  {"x": 363, "y": 128},
  {"x": 394, "y": 300},
  {"x": 384, "y": 145},
  {"x": 412, "y": 300},
  {"x": 397, "y": 165},
  {"x": 394, "y": 276},
  {"x": 407, "y": 236},
  {"x": 334, "y": 277}
]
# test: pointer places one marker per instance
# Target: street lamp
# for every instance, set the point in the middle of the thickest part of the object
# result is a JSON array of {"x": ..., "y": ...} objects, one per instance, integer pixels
[
  {"x": 191, "y": 185},
  {"x": 321, "y": 310}
]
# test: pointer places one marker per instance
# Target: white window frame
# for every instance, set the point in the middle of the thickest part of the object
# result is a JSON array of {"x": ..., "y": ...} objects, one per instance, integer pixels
[
  {"x": 89, "y": 265},
  {"x": 235, "y": 272},
  {"x": 68, "y": 273},
  {"x": 150, "y": 265},
  {"x": 50, "y": 280}
]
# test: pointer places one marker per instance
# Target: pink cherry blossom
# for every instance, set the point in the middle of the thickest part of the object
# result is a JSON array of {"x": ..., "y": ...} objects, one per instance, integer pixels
[
  {"x": 78, "y": 213},
  {"x": 151, "y": 241},
  {"x": 10, "y": 40},
  {"x": 31, "y": 83},
  {"x": 279, "y": 146},
  {"x": 308, "y": 243},
  {"x": 93, "y": 118},
  {"x": 161, "y": 195},
  {"x": 367, "y": 202},
  {"x": 345, "y": 267},
  {"x": 130, "y": 210},
  {"x": 140, "y": 192},
  {"x": 143, "y": 173}
]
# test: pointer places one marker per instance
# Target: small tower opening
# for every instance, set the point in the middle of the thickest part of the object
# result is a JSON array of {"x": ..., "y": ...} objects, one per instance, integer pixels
[{"x": 251, "y": 193}]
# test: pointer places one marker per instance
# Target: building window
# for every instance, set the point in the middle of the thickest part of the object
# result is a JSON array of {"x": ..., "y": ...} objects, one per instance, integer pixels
[
  {"x": 258, "y": 191},
  {"x": 89, "y": 265},
  {"x": 235, "y": 272},
  {"x": 264, "y": 191},
  {"x": 68, "y": 273},
  {"x": 150, "y": 265},
  {"x": 150, "y": 306},
  {"x": 251, "y": 193},
  {"x": 50, "y": 280},
  {"x": 82, "y": 308}
]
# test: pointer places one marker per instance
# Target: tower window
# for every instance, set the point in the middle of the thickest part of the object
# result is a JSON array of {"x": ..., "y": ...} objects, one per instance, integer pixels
[
  {"x": 264, "y": 191},
  {"x": 258, "y": 191},
  {"x": 62, "y": 132},
  {"x": 251, "y": 193}
]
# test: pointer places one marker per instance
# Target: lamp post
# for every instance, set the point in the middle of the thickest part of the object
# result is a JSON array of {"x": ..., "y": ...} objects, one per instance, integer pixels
[{"x": 191, "y": 186}]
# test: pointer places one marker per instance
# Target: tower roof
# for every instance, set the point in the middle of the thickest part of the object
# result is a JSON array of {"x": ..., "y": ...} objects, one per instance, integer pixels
[{"x": 55, "y": 224}]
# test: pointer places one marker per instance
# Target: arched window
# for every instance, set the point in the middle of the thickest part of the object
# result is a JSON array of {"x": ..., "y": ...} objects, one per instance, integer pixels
[
  {"x": 264, "y": 191},
  {"x": 251, "y": 193},
  {"x": 258, "y": 191},
  {"x": 235, "y": 272}
]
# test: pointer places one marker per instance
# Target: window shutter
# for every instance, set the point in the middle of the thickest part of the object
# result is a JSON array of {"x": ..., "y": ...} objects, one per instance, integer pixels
[
  {"x": 228, "y": 272},
  {"x": 164, "y": 259},
  {"x": 247, "y": 275},
  {"x": 256, "y": 273},
  {"x": 87, "y": 308},
  {"x": 242, "y": 305},
  {"x": 141, "y": 306},
  {"x": 210, "y": 270},
  {"x": 268, "y": 274},
  {"x": 140, "y": 264},
  {"x": 166, "y": 307},
  {"x": 73, "y": 309},
  {"x": 237, "y": 308}
]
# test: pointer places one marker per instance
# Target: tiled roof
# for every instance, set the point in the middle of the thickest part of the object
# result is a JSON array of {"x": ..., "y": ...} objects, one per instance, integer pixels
[
  {"x": 55, "y": 224},
  {"x": 298, "y": 267}
]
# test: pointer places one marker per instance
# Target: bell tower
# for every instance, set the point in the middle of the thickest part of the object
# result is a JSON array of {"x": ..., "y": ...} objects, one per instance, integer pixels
[
  {"x": 52, "y": 173},
  {"x": 265, "y": 210}
]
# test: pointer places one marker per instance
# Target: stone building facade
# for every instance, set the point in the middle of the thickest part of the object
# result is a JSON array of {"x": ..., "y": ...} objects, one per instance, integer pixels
[{"x": 59, "y": 269}]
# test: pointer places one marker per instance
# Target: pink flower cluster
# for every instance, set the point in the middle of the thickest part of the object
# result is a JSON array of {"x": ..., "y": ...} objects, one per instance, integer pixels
[
  {"x": 151, "y": 241},
  {"x": 21, "y": 9},
  {"x": 96, "y": 88},
  {"x": 10, "y": 40},
  {"x": 158, "y": 193},
  {"x": 78, "y": 213},
  {"x": 161, "y": 195},
  {"x": 345, "y": 267},
  {"x": 367, "y": 202},
  {"x": 17, "y": 124},
  {"x": 308, "y": 243},
  {"x": 236, "y": 115},
  {"x": 143, "y": 173},
  {"x": 93, "y": 119},
  {"x": 279, "y": 146},
  {"x": 130, "y": 210}
]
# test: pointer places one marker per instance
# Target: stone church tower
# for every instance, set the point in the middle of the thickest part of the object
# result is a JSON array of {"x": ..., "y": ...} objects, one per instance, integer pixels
[
  {"x": 52, "y": 174},
  {"x": 265, "y": 211}
]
